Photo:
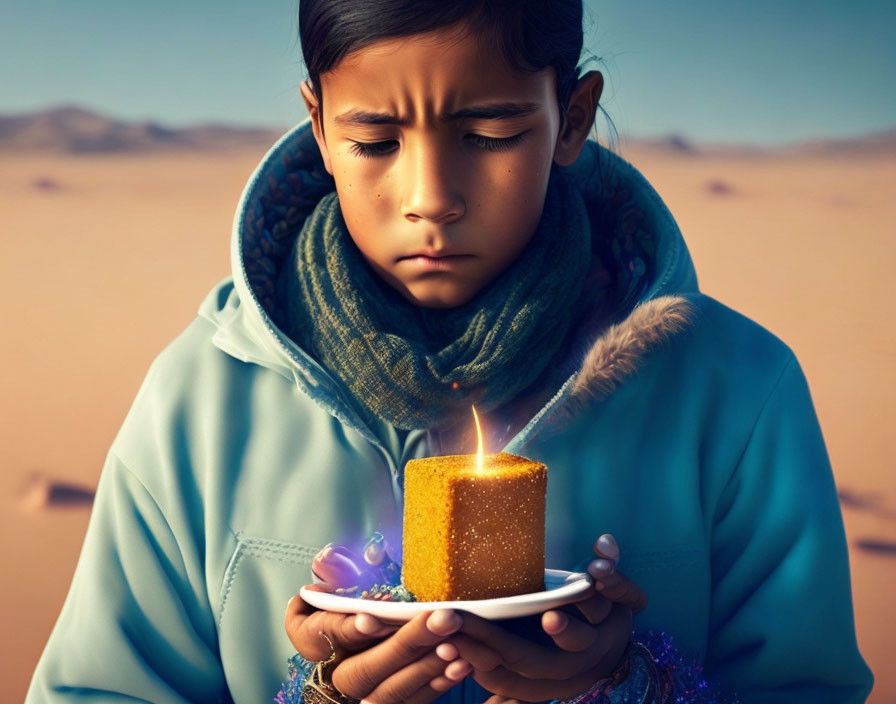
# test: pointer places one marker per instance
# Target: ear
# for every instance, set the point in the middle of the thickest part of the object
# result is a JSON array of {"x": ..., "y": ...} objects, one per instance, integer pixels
[
  {"x": 313, "y": 106},
  {"x": 579, "y": 118}
]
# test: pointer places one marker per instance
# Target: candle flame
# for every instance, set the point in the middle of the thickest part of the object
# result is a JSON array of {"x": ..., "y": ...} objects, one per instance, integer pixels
[{"x": 479, "y": 435}]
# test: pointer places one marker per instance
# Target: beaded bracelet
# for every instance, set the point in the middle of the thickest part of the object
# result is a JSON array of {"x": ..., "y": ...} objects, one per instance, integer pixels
[
  {"x": 653, "y": 671},
  {"x": 300, "y": 670},
  {"x": 654, "y": 685}
]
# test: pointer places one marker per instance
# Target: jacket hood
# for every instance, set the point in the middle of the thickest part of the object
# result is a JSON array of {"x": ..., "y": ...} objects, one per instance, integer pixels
[{"x": 646, "y": 246}]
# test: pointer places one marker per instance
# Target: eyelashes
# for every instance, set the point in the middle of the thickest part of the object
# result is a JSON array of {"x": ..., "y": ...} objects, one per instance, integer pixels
[
  {"x": 494, "y": 144},
  {"x": 367, "y": 150}
]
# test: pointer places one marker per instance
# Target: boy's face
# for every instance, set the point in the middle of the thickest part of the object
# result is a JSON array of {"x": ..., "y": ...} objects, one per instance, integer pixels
[{"x": 467, "y": 190}]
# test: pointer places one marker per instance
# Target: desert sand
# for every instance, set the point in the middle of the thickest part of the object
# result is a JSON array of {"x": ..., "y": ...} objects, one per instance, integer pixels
[{"x": 106, "y": 258}]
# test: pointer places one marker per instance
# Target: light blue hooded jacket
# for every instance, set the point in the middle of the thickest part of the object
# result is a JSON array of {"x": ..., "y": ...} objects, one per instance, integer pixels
[{"x": 688, "y": 432}]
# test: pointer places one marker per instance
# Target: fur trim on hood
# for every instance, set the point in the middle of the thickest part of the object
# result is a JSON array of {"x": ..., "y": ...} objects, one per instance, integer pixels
[{"x": 616, "y": 353}]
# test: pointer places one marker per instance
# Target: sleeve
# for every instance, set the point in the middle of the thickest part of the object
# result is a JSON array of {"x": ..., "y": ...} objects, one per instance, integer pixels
[
  {"x": 781, "y": 623},
  {"x": 781, "y": 618},
  {"x": 135, "y": 625}
]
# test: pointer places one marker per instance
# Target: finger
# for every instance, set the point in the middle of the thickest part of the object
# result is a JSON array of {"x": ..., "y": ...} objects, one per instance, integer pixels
[
  {"x": 410, "y": 683},
  {"x": 569, "y": 634},
  {"x": 374, "y": 627},
  {"x": 607, "y": 552},
  {"x": 523, "y": 656},
  {"x": 447, "y": 651},
  {"x": 454, "y": 673},
  {"x": 297, "y": 613},
  {"x": 441, "y": 684},
  {"x": 457, "y": 670},
  {"x": 297, "y": 606},
  {"x": 510, "y": 685},
  {"x": 593, "y": 606},
  {"x": 475, "y": 652},
  {"x": 345, "y": 631},
  {"x": 498, "y": 699},
  {"x": 606, "y": 546},
  {"x": 361, "y": 674},
  {"x": 315, "y": 632},
  {"x": 617, "y": 587}
]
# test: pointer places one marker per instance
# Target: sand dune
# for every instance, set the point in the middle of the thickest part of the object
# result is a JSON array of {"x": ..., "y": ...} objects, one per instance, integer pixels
[
  {"x": 41, "y": 493},
  {"x": 886, "y": 547},
  {"x": 105, "y": 258},
  {"x": 869, "y": 502}
]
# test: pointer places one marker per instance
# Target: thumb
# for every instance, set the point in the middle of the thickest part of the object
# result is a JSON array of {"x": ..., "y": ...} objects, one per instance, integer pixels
[{"x": 609, "y": 581}]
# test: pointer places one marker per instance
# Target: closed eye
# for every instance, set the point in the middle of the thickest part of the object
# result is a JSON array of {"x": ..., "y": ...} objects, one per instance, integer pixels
[
  {"x": 494, "y": 144},
  {"x": 369, "y": 149}
]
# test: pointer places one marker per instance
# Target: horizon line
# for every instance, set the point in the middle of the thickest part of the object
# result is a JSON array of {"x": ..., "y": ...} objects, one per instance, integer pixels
[{"x": 687, "y": 140}]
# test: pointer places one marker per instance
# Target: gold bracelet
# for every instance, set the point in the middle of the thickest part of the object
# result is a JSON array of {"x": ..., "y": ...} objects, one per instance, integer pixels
[{"x": 318, "y": 688}]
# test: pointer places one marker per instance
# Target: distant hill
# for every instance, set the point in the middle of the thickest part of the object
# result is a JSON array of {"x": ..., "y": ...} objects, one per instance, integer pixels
[
  {"x": 671, "y": 144},
  {"x": 72, "y": 129},
  {"x": 75, "y": 130},
  {"x": 872, "y": 144}
]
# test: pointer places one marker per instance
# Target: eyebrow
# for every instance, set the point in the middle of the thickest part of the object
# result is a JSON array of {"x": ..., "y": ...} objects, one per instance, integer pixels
[{"x": 492, "y": 111}]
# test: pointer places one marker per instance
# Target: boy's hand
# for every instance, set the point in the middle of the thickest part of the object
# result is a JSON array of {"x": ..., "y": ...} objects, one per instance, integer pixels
[
  {"x": 585, "y": 649},
  {"x": 349, "y": 633},
  {"x": 377, "y": 662}
]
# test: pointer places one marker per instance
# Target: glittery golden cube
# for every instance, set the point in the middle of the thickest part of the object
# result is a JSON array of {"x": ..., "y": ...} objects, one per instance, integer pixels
[{"x": 471, "y": 534}]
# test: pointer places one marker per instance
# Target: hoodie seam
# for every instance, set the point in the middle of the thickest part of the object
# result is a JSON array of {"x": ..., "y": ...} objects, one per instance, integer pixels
[{"x": 229, "y": 577}]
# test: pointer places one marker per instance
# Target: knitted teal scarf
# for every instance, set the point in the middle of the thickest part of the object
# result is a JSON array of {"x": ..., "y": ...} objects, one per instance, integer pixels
[{"x": 420, "y": 367}]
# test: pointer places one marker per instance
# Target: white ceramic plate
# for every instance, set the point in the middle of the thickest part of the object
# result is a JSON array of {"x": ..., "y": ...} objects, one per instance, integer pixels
[{"x": 560, "y": 588}]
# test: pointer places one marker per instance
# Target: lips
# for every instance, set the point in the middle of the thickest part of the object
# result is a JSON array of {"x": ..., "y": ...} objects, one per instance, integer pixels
[
  {"x": 425, "y": 264},
  {"x": 441, "y": 254}
]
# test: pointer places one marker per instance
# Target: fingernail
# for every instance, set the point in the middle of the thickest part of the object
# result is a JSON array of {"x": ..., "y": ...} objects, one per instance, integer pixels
[
  {"x": 444, "y": 622},
  {"x": 559, "y": 621},
  {"x": 601, "y": 568},
  {"x": 446, "y": 652},
  {"x": 607, "y": 545},
  {"x": 366, "y": 624},
  {"x": 291, "y": 599},
  {"x": 458, "y": 670}
]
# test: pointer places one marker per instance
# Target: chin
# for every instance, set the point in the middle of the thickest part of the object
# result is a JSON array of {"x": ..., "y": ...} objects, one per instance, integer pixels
[{"x": 442, "y": 299}]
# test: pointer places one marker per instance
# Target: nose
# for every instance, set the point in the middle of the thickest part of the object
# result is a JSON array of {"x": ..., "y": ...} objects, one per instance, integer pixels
[{"x": 430, "y": 192}]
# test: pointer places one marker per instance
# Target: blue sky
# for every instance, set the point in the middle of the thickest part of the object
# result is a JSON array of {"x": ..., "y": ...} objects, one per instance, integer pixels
[{"x": 763, "y": 71}]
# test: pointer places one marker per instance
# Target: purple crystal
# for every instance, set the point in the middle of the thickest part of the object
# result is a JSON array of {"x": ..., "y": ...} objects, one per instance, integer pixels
[
  {"x": 339, "y": 568},
  {"x": 376, "y": 550}
]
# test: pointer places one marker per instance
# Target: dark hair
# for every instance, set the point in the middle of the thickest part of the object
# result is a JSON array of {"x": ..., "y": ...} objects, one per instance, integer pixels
[{"x": 532, "y": 34}]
